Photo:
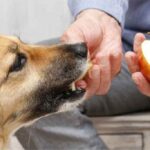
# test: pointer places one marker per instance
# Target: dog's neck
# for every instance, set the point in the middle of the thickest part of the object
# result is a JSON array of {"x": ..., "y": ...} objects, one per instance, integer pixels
[
  {"x": 6, "y": 131},
  {"x": 2, "y": 147},
  {"x": 2, "y": 140},
  {"x": 1, "y": 143},
  {"x": 2, "y": 132},
  {"x": 5, "y": 135}
]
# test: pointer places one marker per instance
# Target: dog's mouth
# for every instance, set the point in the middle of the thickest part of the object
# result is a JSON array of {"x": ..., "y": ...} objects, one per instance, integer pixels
[{"x": 72, "y": 92}]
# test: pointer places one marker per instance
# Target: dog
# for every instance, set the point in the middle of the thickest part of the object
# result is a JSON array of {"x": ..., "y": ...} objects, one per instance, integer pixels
[{"x": 37, "y": 80}]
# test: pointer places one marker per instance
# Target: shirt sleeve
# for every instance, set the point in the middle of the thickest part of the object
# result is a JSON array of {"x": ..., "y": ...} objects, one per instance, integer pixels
[{"x": 116, "y": 8}]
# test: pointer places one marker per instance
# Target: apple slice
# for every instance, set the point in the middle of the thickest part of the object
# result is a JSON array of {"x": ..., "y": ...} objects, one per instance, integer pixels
[{"x": 144, "y": 59}]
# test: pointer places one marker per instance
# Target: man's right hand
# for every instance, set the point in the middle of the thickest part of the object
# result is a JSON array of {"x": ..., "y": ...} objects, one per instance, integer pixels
[{"x": 102, "y": 33}]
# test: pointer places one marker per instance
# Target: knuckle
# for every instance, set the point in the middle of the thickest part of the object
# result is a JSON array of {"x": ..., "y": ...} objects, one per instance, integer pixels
[
  {"x": 117, "y": 55},
  {"x": 65, "y": 36}
]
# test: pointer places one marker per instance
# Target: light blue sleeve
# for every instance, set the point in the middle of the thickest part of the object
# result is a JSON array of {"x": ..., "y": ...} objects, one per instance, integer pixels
[{"x": 116, "y": 8}]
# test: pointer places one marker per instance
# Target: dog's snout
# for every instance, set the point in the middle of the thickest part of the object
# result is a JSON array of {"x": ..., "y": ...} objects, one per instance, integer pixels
[{"x": 80, "y": 50}]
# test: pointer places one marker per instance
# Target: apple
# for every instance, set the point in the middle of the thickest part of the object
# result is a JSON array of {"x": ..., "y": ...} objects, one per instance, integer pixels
[{"x": 144, "y": 59}]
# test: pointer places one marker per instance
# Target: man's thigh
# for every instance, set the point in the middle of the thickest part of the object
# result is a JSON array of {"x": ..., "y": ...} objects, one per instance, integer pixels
[
  {"x": 123, "y": 96},
  {"x": 64, "y": 131}
]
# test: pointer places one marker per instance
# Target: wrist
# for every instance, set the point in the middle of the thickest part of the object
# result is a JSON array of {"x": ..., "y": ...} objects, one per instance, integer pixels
[
  {"x": 90, "y": 12},
  {"x": 98, "y": 15}
]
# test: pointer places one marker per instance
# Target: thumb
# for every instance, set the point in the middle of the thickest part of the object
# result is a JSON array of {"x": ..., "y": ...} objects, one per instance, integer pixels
[{"x": 142, "y": 84}]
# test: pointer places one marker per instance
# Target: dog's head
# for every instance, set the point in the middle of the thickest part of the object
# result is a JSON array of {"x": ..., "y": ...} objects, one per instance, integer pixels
[{"x": 38, "y": 80}]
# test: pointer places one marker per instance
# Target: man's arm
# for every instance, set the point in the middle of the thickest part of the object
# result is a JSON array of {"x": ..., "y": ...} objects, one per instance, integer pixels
[
  {"x": 115, "y": 8},
  {"x": 95, "y": 26}
]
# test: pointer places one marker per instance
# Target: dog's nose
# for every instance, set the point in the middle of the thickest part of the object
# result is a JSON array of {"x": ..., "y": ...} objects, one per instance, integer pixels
[{"x": 79, "y": 49}]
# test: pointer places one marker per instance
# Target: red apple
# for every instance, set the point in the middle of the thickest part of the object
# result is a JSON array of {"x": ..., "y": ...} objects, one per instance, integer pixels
[{"x": 144, "y": 59}]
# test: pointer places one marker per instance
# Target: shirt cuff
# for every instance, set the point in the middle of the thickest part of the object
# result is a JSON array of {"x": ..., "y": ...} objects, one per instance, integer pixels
[{"x": 116, "y": 8}]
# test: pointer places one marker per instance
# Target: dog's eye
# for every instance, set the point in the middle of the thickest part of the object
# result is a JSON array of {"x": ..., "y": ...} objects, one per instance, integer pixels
[{"x": 18, "y": 63}]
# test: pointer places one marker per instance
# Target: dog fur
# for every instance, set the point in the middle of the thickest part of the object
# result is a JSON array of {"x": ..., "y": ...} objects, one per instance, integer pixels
[{"x": 36, "y": 80}]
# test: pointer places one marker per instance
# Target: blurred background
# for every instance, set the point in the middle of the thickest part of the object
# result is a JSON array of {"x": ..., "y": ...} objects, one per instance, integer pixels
[
  {"x": 34, "y": 20},
  {"x": 60, "y": 17}
]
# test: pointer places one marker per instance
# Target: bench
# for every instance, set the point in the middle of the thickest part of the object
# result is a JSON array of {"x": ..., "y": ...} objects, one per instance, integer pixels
[{"x": 127, "y": 132}]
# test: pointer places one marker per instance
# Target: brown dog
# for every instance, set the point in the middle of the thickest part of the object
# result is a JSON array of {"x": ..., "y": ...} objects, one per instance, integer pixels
[{"x": 37, "y": 80}]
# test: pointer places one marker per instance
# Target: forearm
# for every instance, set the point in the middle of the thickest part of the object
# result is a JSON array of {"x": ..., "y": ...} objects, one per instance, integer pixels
[{"x": 116, "y": 8}]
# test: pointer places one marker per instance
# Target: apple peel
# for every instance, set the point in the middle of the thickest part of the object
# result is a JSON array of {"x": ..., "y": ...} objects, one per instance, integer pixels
[{"x": 144, "y": 59}]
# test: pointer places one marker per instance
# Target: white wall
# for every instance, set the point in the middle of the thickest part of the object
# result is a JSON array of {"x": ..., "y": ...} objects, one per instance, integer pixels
[
  {"x": 34, "y": 20},
  {"x": 60, "y": 17},
  {"x": 63, "y": 16}
]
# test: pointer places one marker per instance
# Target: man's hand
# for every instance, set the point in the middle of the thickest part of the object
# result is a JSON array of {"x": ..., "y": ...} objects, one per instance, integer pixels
[
  {"x": 102, "y": 34},
  {"x": 132, "y": 61}
]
